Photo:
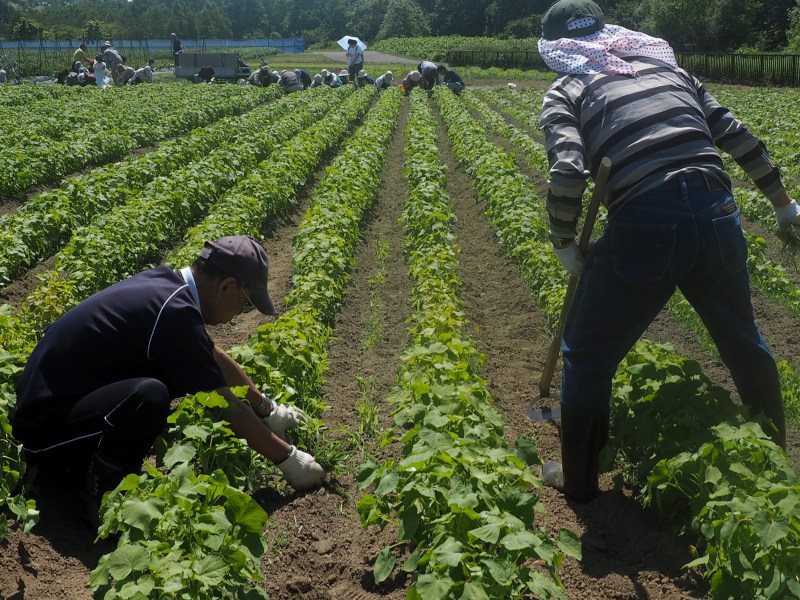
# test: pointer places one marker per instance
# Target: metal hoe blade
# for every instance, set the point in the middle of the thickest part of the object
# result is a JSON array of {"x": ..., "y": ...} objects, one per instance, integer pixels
[{"x": 534, "y": 409}]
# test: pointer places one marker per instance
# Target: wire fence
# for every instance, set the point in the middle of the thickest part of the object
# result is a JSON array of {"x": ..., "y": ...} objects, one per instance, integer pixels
[{"x": 752, "y": 69}]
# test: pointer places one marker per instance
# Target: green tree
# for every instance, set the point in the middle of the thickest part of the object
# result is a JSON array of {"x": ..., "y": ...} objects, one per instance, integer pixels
[
  {"x": 26, "y": 29},
  {"x": 245, "y": 16},
  {"x": 793, "y": 34},
  {"x": 213, "y": 22},
  {"x": 500, "y": 12},
  {"x": 404, "y": 18},
  {"x": 459, "y": 17},
  {"x": 704, "y": 25},
  {"x": 365, "y": 18}
]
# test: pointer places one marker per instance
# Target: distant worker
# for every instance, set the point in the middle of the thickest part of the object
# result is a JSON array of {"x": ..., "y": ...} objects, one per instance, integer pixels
[
  {"x": 110, "y": 56},
  {"x": 79, "y": 75},
  {"x": 305, "y": 77},
  {"x": 290, "y": 82},
  {"x": 316, "y": 81},
  {"x": 429, "y": 74},
  {"x": 384, "y": 81},
  {"x": 330, "y": 79},
  {"x": 450, "y": 78},
  {"x": 363, "y": 79},
  {"x": 205, "y": 75},
  {"x": 355, "y": 58},
  {"x": 122, "y": 74},
  {"x": 80, "y": 54},
  {"x": 261, "y": 77},
  {"x": 101, "y": 74},
  {"x": 410, "y": 81},
  {"x": 143, "y": 75},
  {"x": 3, "y": 76},
  {"x": 177, "y": 47}
]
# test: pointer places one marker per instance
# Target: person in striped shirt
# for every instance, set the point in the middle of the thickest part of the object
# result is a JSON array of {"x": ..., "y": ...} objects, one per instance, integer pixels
[{"x": 673, "y": 222}]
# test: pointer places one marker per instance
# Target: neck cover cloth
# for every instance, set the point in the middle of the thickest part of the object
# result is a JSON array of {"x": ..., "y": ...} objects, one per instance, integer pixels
[{"x": 595, "y": 53}]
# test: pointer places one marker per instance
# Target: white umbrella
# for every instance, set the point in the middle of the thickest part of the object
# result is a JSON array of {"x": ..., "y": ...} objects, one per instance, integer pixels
[{"x": 343, "y": 42}]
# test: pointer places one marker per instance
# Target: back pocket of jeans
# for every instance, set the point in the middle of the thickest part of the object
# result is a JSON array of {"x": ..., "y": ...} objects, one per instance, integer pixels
[
  {"x": 730, "y": 242},
  {"x": 640, "y": 252}
]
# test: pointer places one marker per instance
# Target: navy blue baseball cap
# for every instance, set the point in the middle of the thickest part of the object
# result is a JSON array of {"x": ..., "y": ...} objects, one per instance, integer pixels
[{"x": 242, "y": 257}]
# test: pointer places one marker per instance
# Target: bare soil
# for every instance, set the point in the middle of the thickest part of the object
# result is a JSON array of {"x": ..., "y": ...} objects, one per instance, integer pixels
[{"x": 317, "y": 549}]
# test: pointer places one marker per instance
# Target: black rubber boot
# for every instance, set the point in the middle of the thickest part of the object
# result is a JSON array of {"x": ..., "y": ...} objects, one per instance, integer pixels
[
  {"x": 102, "y": 475},
  {"x": 583, "y": 435},
  {"x": 769, "y": 403}
]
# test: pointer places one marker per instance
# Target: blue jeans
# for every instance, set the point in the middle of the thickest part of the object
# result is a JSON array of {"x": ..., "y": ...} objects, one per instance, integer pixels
[{"x": 685, "y": 234}]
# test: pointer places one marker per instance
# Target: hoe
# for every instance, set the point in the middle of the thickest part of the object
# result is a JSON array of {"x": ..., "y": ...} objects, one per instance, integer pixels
[{"x": 545, "y": 405}]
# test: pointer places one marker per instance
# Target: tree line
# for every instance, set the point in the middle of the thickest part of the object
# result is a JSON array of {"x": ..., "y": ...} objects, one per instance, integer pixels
[{"x": 689, "y": 25}]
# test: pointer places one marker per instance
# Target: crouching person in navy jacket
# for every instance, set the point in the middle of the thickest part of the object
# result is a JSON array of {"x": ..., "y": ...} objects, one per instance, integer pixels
[{"x": 96, "y": 391}]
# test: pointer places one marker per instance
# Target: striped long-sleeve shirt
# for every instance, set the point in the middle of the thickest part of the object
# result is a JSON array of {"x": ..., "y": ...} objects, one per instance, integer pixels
[{"x": 652, "y": 126}]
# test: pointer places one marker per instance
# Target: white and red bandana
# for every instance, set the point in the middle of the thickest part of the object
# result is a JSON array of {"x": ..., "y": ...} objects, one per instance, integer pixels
[{"x": 595, "y": 53}]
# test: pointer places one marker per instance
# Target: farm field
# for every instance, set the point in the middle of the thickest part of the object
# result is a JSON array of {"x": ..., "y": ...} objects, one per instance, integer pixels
[{"x": 406, "y": 248}]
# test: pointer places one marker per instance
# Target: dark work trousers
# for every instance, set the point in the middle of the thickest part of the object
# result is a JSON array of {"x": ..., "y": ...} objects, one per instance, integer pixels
[{"x": 119, "y": 421}]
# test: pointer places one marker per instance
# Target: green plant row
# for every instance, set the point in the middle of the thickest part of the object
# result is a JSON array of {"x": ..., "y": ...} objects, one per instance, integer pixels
[
  {"x": 189, "y": 530},
  {"x": 134, "y": 117},
  {"x": 293, "y": 353},
  {"x": 652, "y": 380},
  {"x": 25, "y": 95},
  {"x": 458, "y": 491},
  {"x": 275, "y": 182},
  {"x": 523, "y": 105},
  {"x": 532, "y": 151},
  {"x": 118, "y": 243},
  {"x": 41, "y": 225},
  {"x": 289, "y": 356},
  {"x": 115, "y": 244}
]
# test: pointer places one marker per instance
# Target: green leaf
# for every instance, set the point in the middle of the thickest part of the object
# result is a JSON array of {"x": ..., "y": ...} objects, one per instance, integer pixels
[
  {"x": 502, "y": 571},
  {"x": 384, "y": 565},
  {"x": 211, "y": 570},
  {"x": 179, "y": 454},
  {"x": 527, "y": 450},
  {"x": 473, "y": 591},
  {"x": 520, "y": 540},
  {"x": 431, "y": 586},
  {"x": 126, "y": 560},
  {"x": 412, "y": 561},
  {"x": 569, "y": 543},
  {"x": 450, "y": 553},
  {"x": 142, "y": 514},
  {"x": 242, "y": 510},
  {"x": 769, "y": 531},
  {"x": 387, "y": 484},
  {"x": 488, "y": 533}
]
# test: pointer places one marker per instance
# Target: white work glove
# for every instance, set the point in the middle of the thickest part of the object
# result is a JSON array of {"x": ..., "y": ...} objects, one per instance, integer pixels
[
  {"x": 788, "y": 215},
  {"x": 570, "y": 258},
  {"x": 788, "y": 218},
  {"x": 301, "y": 471},
  {"x": 283, "y": 417}
]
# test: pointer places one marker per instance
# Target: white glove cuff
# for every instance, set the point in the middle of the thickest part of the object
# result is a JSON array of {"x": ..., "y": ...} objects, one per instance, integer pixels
[
  {"x": 789, "y": 212},
  {"x": 292, "y": 454}
]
